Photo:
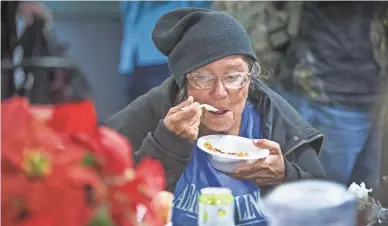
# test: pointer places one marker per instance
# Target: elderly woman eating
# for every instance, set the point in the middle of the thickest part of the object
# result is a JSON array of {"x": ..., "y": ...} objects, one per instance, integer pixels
[{"x": 212, "y": 62}]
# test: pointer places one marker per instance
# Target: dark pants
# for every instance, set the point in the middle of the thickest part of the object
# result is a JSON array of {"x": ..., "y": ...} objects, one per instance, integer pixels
[
  {"x": 145, "y": 78},
  {"x": 367, "y": 166}
]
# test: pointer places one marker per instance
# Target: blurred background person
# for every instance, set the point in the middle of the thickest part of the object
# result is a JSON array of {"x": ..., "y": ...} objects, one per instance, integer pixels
[
  {"x": 383, "y": 190},
  {"x": 26, "y": 11},
  {"x": 140, "y": 60},
  {"x": 333, "y": 71},
  {"x": 270, "y": 25},
  {"x": 328, "y": 62},
  {"x": 382, "y": 57}
]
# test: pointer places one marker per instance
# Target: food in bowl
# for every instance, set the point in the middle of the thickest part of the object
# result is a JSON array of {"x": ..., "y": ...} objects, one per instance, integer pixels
[
  {"x": 223, "y": 151},
  {"x": 209, "y": 146}
]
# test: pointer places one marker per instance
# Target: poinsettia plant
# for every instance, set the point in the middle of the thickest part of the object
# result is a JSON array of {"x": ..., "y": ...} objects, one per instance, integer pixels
[{"x": 59, "y": 168}]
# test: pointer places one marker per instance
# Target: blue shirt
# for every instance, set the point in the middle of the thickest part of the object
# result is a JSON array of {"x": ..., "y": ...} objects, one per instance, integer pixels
[
  {"x": 249, "y": 209},
  {"x": 139, "y": 19}
]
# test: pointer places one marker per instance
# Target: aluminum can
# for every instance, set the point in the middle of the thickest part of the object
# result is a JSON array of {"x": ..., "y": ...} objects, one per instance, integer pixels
[{"x": 216, "y": 207}]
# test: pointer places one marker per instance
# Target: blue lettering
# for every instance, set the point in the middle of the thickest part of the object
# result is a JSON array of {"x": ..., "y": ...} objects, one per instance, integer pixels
[{"x": 248, "y": 207}]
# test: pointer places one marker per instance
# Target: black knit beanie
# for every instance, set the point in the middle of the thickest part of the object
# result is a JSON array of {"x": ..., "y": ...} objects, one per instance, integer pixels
[{"x": 194, "y": 37}]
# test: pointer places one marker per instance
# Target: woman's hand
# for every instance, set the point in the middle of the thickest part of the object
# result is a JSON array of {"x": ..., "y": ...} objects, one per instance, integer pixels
[
  {"x": 184, "y": 123},
  {"x": 268, "y": 171}
]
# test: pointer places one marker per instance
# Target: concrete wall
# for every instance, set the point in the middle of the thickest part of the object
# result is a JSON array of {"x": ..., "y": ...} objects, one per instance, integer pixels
[{"x": 94, "y": 41}]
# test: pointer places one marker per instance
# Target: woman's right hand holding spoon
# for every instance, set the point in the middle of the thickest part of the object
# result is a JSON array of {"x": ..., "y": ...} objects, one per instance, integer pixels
[{"x": 184, "y": 119}]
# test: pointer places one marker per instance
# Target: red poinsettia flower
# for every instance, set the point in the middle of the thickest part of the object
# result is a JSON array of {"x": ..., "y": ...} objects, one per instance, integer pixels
[
  {"x": 117, "y": 152},
  {"x": 42, "y": 220},
  {"x": 67, "y": 194},
  {"x": 138, "y": 187},
  {"x": 56, "y": 170},
  {"x": 44, "y": 180},
  {"x": 77, "y": 117}
]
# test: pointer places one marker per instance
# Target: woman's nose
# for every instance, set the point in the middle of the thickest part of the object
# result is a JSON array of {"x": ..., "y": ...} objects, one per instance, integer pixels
[{"x": 219, "y": 90}]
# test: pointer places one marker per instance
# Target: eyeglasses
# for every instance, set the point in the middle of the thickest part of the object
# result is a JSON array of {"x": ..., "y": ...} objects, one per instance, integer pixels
[{"x": 230, "y": 81}]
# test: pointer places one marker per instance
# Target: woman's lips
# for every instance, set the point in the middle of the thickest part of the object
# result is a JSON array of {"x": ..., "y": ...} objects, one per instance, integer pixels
[{"x": 219, "y": 112}]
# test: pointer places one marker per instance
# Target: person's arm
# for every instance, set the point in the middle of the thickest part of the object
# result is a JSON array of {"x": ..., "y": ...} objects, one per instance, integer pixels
[
  {"x": 173, "y": 152},
  {"x": 303, "y": 163},
  {"x": 141, "y": 123},
  {"x": 30, "y": 9}
]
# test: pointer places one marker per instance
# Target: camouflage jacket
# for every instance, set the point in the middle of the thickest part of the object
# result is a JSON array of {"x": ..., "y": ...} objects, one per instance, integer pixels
[
  {"x": 340, "y": 54},
  {"x": 270, "y": 25},
  {"x": 336, "y": 52}
]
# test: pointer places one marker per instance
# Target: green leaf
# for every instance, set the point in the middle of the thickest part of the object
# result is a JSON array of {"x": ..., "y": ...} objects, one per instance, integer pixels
[
  {"x": 88, "y": 160},
  {"x": 101, "y": 218}
]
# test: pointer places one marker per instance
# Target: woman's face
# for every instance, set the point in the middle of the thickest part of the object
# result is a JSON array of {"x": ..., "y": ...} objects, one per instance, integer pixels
[{"x": 229, "y": 101}]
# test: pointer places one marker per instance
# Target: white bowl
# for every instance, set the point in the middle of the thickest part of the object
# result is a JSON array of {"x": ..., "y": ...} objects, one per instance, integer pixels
[{"x": 231, "y": 144}]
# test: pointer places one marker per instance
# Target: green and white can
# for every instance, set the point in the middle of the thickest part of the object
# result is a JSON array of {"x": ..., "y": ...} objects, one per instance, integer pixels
[{"x": 216, "y": 207}]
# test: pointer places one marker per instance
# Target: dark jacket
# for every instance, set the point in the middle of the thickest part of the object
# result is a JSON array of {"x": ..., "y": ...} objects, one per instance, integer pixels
[
  {"x": 382, "y": 106},
  {"x": 141, "y": 122},
  {"x": 8, "y": 39},
  {"x": 333, "y": 58},
  {"x": 383, "y": 194}
]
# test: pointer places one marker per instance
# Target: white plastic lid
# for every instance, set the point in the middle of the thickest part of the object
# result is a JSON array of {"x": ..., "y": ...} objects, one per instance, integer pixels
[{"x": 310, "y": 194}]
